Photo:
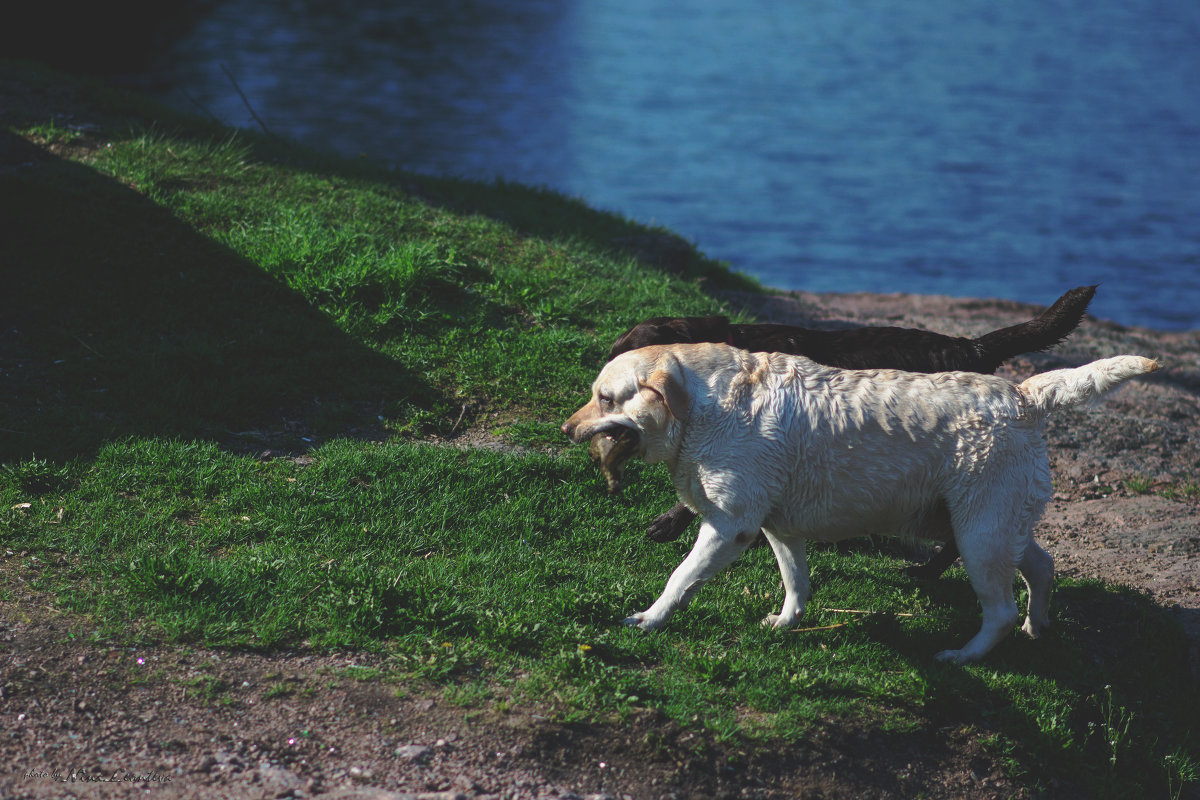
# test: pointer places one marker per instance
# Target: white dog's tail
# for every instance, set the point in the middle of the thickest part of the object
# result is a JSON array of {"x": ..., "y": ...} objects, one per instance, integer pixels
[{"x": 1083, "y": 385}]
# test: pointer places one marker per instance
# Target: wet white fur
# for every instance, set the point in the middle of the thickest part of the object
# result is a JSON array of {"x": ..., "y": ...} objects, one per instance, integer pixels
[{"x": 804, "y": 451}]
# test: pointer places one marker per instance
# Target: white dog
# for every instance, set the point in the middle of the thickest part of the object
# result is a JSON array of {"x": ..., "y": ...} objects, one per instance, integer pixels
[{"x": 802, "y": 451}]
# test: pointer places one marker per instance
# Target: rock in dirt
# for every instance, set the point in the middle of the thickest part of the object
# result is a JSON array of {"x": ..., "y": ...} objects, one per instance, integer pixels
[{"x": 414, "y": 752}]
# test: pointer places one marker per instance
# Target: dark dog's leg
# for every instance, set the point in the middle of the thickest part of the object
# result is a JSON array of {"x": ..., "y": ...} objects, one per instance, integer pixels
[
  {"x": 670, "y": 526},
  {"x": 932, "y": 569}
]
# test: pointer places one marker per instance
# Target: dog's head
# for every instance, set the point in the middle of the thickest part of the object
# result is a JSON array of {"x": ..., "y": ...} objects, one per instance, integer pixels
[
  {"x": 671, "y": 330},
  {"x": 638, "y": 399}
]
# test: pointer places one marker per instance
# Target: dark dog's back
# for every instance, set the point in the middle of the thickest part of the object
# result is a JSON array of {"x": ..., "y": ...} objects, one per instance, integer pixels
[{"x": 908, "y": 349}]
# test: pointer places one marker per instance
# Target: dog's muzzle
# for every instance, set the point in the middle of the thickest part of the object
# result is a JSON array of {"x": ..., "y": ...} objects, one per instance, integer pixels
[{"x": 612, "y": 444}]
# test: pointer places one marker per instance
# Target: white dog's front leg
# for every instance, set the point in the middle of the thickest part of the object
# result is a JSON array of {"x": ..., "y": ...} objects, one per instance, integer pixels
[{"x": 714, "y": 550}]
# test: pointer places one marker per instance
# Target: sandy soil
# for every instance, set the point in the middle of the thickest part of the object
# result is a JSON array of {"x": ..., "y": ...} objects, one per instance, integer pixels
[{"x": 174, "y": 722}]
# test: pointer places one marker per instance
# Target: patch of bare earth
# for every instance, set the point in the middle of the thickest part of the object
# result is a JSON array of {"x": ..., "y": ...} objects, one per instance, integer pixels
[
  {"x": 177, "y": 722},
  {"x": 174, "y": 722}
]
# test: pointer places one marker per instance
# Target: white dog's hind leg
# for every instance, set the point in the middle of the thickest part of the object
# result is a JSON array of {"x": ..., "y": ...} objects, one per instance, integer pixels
[
  {"x": 993, "y": 586},
  {"x": 984, "y": 543},
  {"x": 712, "y": 552},
  {"x": 793, "y": 566},
  {"x": 1037, "y": 568}
]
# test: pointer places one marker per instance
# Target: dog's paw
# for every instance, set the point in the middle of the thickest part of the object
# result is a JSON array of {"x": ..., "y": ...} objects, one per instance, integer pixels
[
  {"x": 780, "y": 621},
  {"x": 954, "y": 657},
  {"x": 666, "y": 528},
  {"x": 1035, "y": 630},
  {"x": 640, "y": 620}
]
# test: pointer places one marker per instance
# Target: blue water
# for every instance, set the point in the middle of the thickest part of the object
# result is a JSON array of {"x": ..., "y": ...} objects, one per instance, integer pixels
[{"x": 972, "y": 148}]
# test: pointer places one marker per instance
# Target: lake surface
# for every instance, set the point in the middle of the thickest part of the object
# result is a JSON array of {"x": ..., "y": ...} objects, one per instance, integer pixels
[{"x": 968, "y": 148}]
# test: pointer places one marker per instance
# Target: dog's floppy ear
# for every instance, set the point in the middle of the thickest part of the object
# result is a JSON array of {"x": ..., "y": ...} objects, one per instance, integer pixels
[{"x": 666, "y": 381}]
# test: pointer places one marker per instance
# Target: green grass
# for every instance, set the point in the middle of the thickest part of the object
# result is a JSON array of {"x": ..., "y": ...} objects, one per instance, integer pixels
[
  {"x": 1138, "y": 485},
  {"x": 187, "y": 297},
  {"x": 182, "y": 280},
  {"x": 1182, "y": 491},
  {"x": 505, "y": 577}
]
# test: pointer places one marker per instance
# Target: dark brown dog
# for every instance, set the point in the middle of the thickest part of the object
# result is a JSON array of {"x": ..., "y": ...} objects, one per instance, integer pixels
[{"x": 859, "y": 348}]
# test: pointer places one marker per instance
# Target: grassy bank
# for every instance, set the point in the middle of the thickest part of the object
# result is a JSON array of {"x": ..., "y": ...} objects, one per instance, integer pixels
[{"x": 184, "y": 298}]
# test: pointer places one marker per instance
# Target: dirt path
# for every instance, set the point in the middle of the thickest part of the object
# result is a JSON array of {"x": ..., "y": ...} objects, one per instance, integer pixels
[{"x": 174, "y": 722}]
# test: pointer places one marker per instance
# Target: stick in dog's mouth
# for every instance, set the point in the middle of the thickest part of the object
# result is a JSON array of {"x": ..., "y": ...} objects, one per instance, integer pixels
[{"x": 611, "y": 449}]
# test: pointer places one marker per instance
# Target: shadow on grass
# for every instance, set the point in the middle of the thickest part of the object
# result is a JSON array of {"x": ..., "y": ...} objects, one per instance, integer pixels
[
  {"x": 1123, "y": 658},
  {"x": 118, "y": 320}
]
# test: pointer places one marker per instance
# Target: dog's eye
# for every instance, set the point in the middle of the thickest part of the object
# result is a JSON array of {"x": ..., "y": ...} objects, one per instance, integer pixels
[{"x": 606, "y": 400}]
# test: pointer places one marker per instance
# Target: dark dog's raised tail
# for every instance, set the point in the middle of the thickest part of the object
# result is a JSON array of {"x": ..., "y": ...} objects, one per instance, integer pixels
[{"x": 1049, "y": 328}]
